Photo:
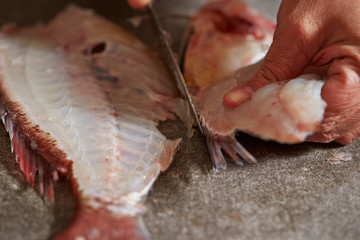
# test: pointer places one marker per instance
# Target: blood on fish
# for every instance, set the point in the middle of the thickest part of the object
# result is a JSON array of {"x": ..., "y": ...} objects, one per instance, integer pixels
[
  {"x": 227, "y": 35},
  {"x": 229, "y": 24}
]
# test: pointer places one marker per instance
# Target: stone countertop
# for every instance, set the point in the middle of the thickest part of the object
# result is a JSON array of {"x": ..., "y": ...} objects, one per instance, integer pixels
[{"x": 292, "y": 193}]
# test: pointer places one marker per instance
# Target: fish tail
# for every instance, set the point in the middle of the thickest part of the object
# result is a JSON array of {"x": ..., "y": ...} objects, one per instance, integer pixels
[
  {"x": 216, "y": 155},
  {"x": 30, "y": 163},
  {"x": 96, "y": 224},
  {"x": 232, "y": 147}
]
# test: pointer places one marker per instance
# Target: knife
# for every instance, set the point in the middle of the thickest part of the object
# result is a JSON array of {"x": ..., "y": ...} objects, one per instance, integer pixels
[{"x": 173, "y": 66}]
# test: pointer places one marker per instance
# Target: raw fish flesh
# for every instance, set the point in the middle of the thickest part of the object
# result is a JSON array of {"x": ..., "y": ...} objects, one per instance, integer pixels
[
  {"x": 82, "y": 97},
  {"x": 227, "y": 35},
  {"x": 228, "y": 42}
]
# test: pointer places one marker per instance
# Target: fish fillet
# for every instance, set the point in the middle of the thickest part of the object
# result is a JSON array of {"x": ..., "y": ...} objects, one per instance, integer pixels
[
  {"x": 82, "y": 97},
  {"x": 234, "y": 38}
]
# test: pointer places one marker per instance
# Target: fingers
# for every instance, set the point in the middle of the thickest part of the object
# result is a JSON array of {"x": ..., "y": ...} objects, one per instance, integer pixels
[
  {"x": 138, "y": 4},
  {"x": 349, "y": 137},
  {"x": 238, "y": 95},
  {"x": 343, "y": 133},
  {"x": 338, "y": 134},
  {"x": 298, "y": 37},
  {"x": 286, "y": 59},
  {"x": 335, "y": 51},
  {"x": 342, "y": 94}
]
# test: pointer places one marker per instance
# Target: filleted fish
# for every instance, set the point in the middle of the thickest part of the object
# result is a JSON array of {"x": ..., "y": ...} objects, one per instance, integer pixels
[{"x": 81, "y": 97}]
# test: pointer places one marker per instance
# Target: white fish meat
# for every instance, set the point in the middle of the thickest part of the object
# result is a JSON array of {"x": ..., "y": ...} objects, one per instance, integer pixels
[
  {"x": 234, "y": 38},
  {"x": 82, "y": 97}
]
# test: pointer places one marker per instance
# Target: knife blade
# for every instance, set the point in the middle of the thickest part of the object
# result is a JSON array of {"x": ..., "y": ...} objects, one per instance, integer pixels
[{"x": 173, "y": 66}]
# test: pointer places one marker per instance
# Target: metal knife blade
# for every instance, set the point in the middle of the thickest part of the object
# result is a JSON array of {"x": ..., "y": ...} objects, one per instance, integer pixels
[{"x": 174, "y": 68}]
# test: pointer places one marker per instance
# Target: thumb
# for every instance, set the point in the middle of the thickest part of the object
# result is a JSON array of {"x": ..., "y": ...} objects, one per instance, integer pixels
[{"x": 286, "y": 59}]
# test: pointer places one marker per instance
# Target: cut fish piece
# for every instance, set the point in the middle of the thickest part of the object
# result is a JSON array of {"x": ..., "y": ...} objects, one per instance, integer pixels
[
  {"x": 286, "y": 111},
  {"x": 227, "y": 35},
  {"x": 82, "y": 97},
  {"x": 228, "y": 42}
]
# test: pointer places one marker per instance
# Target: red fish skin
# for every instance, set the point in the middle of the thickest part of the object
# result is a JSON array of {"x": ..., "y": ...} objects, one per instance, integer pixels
[
  {"x": 45, "y": 144},
  {"x": 32, "y": 160}
]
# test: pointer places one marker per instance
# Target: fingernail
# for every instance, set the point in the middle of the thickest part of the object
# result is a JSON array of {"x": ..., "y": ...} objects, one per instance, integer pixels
[
  {"x": 139, "y": 4},
  {"x": 236, "y": 97}
]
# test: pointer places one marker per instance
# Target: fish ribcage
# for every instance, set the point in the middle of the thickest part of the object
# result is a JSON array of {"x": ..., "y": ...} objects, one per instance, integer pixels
[{"x": 113, "y": 149}]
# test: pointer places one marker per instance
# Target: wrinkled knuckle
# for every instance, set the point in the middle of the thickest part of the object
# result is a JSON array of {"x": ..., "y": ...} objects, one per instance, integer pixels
[
  {"x": 320, "y": 138},
  {"x": 276, "y": 69},
  {"x": 266, "y": 72},
  {"x": 327, "y": 125},
  {"x": 330, "y": 136}
]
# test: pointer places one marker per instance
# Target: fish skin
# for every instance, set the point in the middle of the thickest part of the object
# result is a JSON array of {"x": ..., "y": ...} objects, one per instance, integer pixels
[
  {"x": 84, "y": 100},
  {"x": 286, "y": 111}
]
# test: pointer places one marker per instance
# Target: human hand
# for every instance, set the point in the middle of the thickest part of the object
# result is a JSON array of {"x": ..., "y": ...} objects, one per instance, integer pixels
[
  {"x": 138, "y": 4},
  {"x": 318, "y": 33}
]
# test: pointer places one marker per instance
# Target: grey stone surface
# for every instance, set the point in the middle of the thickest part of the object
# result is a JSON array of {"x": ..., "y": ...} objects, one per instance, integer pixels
[{"x": 292, "y": 193}]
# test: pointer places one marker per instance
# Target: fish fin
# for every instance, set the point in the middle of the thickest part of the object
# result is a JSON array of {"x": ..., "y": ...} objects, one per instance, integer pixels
[
  {"x": 216, "y": 155},
  {"x": 31, "y": 163},
  {"x": 166, "y": 157},
  {"x": 94, "y": 224},
  {"x": 232, "y": 147}
]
